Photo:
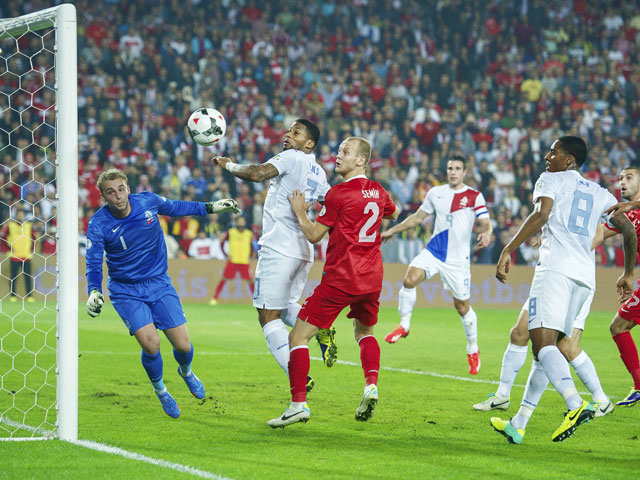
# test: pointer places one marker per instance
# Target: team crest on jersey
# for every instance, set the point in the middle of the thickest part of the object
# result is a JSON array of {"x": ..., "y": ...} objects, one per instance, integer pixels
[
  {"x": 323, "y": 211},
  {"x": 89, "y": 243},
  {"x": 149, "y": 216}
]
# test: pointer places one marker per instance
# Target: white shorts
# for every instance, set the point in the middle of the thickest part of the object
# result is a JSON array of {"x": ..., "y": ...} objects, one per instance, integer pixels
[
  {"x": 558, "y": 302},
  {"x": 582, "y": 316},
  {"x": 279, "y": 279},
  {"x": 455, "y": 278}
]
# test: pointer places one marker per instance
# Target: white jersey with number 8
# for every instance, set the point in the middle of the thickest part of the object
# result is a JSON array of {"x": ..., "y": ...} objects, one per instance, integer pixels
[
  {"x": 280, "y": 229},
  {"x": 578, "y": 206}
]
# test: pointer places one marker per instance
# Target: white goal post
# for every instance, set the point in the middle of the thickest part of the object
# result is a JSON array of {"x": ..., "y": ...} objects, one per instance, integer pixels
[{"x": 58, "y": 26}]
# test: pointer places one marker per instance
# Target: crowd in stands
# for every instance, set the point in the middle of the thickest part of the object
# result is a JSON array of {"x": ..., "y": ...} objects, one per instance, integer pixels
[{"x": 495, "y": 81}]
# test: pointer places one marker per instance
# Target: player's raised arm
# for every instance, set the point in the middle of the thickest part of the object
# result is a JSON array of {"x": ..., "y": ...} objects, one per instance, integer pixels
[
  {"x": 534, "y": 222},
  {"x": 253, "y": 173},
  {"x": 630, "y": 242},
  {"x": 411, "y": 221},
  {"x": 623, "y": 207},
  {"x": 313, "y": 231}
]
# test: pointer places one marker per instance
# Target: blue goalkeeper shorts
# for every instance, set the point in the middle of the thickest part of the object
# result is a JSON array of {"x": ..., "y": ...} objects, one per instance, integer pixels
[{"x": 153, "y": 300}]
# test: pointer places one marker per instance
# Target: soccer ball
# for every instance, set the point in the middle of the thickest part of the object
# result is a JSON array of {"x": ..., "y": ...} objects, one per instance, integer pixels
[{"x": 206, "y": 126}]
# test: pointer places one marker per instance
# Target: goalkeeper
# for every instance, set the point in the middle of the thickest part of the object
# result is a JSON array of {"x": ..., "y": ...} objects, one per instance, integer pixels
[{"x": 128, "y": 231}]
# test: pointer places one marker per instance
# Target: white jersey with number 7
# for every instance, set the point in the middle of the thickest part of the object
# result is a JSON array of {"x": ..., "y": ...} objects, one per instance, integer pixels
[{"x": 280, "y": 229}]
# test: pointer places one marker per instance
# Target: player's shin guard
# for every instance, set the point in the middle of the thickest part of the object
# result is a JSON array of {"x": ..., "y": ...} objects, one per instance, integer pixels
[
  {"x": 557, "y": 369},
  {"x": 536, "y": 383},
  {"x": 184, "y": 359},
  {"x": 470, "y": 325},
  {"x": 406, "y": 301},
  {"x": 290, "y": 315},
  {"x": 586, "y": 371},
  {"x": 278, "y": 342},
  {"x": 370, "y": 358},
  {"x": 512, "y": 361},
  {"x": 629, "y": 355},
  {"x": 299, "y": 364},
  {"x": 153, "y": 366}
]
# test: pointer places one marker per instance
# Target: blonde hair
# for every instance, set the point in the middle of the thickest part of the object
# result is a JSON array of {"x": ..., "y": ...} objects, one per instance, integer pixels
[
  {"x": 111, "y": 174},
  {"x": 363, "y": 147}
]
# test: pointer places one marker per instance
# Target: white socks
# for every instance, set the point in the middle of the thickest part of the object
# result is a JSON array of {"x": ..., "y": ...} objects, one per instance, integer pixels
[
  {"x": 470, "y": 324},
  {"x": 406, "y": 301},
  {"x": 290, "y": 315},
  {"x": 586, "y": 371},
  {"x": 277, "y": 337},
  {"x": 512, "y": 361},
  {"x": 536, "y": 384},
  {"x": 557, "y": 369}
]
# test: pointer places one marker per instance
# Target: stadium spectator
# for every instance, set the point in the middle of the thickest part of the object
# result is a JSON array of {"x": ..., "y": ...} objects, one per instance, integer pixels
[{"x": 174, "y": 61}]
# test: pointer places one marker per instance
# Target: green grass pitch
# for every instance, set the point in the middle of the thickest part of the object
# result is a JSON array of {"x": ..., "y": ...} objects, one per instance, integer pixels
[{"x": 423, "y": 426}]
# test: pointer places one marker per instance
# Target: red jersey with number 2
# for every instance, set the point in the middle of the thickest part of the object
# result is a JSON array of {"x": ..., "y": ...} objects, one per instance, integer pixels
[{"x": 353, "y": 211}]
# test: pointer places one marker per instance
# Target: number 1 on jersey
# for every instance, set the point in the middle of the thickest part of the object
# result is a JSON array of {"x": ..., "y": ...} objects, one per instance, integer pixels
[{"x": 363, "y": 237}]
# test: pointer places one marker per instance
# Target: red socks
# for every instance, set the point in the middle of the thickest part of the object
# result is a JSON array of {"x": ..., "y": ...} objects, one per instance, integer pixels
[
  {"x": 298, "y": 372},
  {"x": 370, "y": 358},
  {"x": 629, "y": 356},
  {"x": 219, "y": 289}
]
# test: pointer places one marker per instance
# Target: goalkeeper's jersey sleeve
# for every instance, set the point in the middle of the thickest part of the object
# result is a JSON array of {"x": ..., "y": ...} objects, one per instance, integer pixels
[{"x": 134, "y": 246}]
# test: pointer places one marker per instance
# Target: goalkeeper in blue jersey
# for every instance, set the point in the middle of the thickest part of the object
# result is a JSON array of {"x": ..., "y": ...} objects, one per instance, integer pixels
[{"x": 128, "y": 231}]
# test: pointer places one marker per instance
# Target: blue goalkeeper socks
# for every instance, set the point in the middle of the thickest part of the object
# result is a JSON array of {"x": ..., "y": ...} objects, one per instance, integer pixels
[
  {"x": 153, "y": 365},
  {"x": 184, "y": 359}
]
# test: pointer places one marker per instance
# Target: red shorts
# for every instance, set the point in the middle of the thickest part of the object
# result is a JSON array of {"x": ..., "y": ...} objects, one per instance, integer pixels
[
  {"x": 231, "y": 269},
  {"x": 326, "y": 303},
  {"x": 630, "y": 310}
]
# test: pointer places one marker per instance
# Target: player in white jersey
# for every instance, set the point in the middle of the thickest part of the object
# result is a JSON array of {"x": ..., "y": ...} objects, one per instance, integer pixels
[
  {"x": 456, "y": 207},
  {"x": 285, "y": 256},
  {"x": 568, "y": 208}
]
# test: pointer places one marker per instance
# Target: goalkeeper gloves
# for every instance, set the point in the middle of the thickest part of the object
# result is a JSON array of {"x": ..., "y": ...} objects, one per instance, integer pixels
[
  {"x": 95, "y": 302},
  {"x": 224, "y": 205}
]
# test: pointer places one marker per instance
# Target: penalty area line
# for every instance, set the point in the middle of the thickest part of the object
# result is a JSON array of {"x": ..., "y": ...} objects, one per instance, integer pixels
[{"x": 101, "y": 447}]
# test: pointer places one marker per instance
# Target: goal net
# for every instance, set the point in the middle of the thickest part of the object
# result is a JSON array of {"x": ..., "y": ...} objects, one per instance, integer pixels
[{"x": 38, "y": 226}]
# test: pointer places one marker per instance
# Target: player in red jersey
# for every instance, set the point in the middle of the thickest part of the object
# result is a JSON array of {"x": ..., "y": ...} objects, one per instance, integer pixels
[
  {"x": 628, "y": 314},
  {"x": 352, "y": 214}
]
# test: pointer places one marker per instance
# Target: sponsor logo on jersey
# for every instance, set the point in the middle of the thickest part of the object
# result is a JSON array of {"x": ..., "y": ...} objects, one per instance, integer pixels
[
  {"x": 371, "y": 193},
  {"x": 149, "y": 216}
]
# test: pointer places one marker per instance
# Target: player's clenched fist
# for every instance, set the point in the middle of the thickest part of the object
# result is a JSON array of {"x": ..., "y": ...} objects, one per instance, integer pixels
[{"x": 95, "y": 302}]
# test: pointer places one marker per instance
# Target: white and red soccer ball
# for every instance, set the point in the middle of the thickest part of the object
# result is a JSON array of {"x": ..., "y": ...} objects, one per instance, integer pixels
[{"x": 206, "y": 126}]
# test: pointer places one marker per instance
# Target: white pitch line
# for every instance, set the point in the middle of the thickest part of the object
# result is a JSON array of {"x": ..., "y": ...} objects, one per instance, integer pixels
[
  {"x": 101, "y": 447},
  {"x": 353, "y": 364},
  {"x": 46, "y": 434}
]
